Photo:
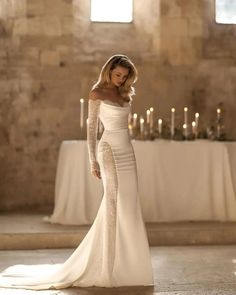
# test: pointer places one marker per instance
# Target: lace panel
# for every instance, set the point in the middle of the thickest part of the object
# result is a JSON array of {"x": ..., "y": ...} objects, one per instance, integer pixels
[
  {"x": 93, "y": 112},
  {"x": 111, "y": 188}
]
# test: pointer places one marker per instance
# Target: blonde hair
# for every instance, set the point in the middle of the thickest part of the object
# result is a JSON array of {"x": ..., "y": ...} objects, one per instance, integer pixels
[{"x": 126, "y": 89}]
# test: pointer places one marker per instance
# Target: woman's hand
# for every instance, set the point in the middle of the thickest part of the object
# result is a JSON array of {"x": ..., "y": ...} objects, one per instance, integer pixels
[{"x": 95, "y": 170}]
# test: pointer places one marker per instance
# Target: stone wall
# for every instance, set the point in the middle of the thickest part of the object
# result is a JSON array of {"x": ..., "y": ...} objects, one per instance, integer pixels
[{"x": 50, "y": 55}]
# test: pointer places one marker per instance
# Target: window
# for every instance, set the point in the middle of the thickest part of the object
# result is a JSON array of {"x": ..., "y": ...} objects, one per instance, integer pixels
[
  {"x": 225, "y": 11},
  {"x": 112, "y": 11}
]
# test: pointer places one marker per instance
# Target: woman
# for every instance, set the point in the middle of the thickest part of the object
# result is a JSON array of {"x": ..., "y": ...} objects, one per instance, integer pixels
[{"x": 115, "y": 251}]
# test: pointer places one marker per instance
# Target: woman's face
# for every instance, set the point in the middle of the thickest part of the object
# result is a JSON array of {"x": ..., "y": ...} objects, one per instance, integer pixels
[{"x": 118, "y": 75}]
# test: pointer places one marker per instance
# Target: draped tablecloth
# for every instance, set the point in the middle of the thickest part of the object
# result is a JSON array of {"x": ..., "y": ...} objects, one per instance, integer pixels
[{"x": 178, "y": 181}]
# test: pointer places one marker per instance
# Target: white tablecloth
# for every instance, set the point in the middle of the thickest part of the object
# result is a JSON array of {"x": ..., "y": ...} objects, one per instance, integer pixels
[{"x": 178, "y": 181}]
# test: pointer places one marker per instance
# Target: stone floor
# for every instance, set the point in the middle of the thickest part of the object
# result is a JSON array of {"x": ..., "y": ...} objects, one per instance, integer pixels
[
  {"x": 18, "y": 231},
  {"x": 178, "y": 270}
]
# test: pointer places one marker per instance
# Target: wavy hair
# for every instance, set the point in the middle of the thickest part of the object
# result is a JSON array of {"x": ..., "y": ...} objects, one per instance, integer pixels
[{"x": 126, "y": 89}]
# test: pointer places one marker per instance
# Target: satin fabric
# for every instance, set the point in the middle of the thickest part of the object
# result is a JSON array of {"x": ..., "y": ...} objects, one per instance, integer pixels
[{"x": 115, "y": 251}]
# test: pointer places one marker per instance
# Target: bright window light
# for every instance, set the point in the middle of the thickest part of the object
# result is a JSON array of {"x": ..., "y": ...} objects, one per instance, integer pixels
[
  {"x": 120, "y": 11},
  {"x": 225, "y": 11}
]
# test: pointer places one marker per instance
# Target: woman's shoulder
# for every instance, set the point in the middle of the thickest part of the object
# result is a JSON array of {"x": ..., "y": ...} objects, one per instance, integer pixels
[{"x": 95, "y": 94}]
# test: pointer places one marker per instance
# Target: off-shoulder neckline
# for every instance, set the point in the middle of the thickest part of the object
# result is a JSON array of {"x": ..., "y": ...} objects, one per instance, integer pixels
[{"x": 116, "y": 106}]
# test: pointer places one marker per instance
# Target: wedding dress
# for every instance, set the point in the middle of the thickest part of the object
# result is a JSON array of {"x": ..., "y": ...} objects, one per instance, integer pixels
[{"x": 115, "y": 251}]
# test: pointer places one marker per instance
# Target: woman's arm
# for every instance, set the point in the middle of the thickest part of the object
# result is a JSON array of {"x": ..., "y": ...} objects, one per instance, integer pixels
[{"x": 93, "y": 112}]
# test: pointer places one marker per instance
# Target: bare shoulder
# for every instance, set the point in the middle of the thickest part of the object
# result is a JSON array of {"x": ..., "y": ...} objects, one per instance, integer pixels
[{"x": 95, "y": 94}]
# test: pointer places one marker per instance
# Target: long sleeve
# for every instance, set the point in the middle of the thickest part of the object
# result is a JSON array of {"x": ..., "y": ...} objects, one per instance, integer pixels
[{"x": 93, "y": 111}]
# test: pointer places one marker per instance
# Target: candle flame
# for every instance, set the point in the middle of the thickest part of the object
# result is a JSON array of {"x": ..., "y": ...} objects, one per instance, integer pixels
[
  {"x": 160, "y": 121},
  {"x": 135, "y": 115},
  {"x": 151, "y": 109},
  {"x": 82, "y": 100},
  {"x": 218, "y": 111},
  {"x": 193, "y": 124},
  {"x": 185, "y": 126},
  {"x": 173, "y": 110},
  {"x": 185, "y": 109},
  {"x": 148, "y": 112},
  {"x": 141, "y": 120},
  {"x": 197, "y": 115}
]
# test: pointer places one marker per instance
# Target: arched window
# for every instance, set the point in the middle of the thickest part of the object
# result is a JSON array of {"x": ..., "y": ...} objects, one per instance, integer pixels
[
  {"x": 225, "y": 11},
  {"x": 112, "y": 11}
]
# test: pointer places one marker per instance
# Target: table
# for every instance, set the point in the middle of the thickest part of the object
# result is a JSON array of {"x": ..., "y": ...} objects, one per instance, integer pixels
[{"x": 178, "y": 181}]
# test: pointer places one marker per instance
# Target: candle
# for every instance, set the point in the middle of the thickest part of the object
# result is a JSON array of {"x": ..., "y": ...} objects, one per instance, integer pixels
[
  {"x": 141, "y": 124},
  {"x": 148, "y": 116},
  {"x": 130, "y": 130},
  {"x": 151, "y": 117},
  {"x": 218, "y": 127},
  {"x": 194, "y": 128},
  {"x": 185, "y": 130},
  {"x": 196, "y": 118},
  {"x": 172, "y": 131},
  {"x": 81, "y": 113},
  {"x": 160, "y": 126},
  {"x": 197, "y": 122},
  {"x": 186, "y": 116},
  {"x": 135, "y": 117}
]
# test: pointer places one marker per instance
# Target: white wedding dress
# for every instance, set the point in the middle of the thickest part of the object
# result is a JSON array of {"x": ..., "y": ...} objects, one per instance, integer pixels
[{"x": 115, "y": 251}]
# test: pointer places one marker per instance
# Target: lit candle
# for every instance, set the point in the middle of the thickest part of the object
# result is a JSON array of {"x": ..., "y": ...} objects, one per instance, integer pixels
[
  {"x": 172, "y": 131},
  {"x": 218, "y": 113},
  {"x": 81, "y": 113},
  {"x": 194, "y": 128},
  {"x": 185, "y": 130},
  {"x": 148, "y": 116},
  {"x": 151, "y": 117},
  {"x": 135, "y": 117},
  {"x": 160, "y": 126},
  {"x": 186, "y": 116},
  {"x": 130, "y": 130},
  {"x": 196, "y": 118},
  {"x": 141, "y": 124}
]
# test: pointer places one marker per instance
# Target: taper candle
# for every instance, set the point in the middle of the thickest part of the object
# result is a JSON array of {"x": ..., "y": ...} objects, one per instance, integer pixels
[
  {"x": 148, "y": 116},
  {"x": 186, "y": 116},
  {"x": 130, "y": 129},
  {"x": 141, "y": 125},
  {"x": 185, "y": 130},
  {"x": 196, "y": 118},
  {"x": 194, "y": 128},
  {"x": 151, "y": 117},
  {"x": 160, "y": 126},
  {"x": 81, "y": 113},
  {"x": 172, "y": 128}
]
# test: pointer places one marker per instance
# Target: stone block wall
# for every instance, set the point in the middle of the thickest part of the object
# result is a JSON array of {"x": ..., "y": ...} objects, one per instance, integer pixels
[{"x": 50, "y": 55}]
